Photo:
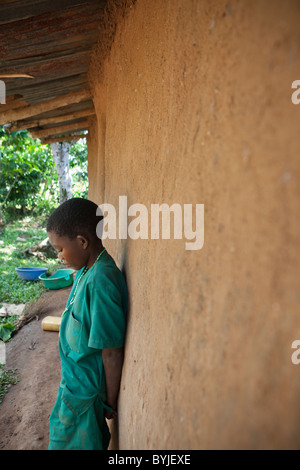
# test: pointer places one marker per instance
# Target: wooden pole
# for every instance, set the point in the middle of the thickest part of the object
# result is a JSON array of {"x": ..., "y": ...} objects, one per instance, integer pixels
[
  {"x": 16, "y": 75},
  {"x": 59, "y": 129},
  {"x": 45, "y": 106},
  {"x": 53, "y": 120}
]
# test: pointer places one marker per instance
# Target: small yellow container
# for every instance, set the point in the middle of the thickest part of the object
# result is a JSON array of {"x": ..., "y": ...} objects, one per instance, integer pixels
[{"x": 51, "y": 323}]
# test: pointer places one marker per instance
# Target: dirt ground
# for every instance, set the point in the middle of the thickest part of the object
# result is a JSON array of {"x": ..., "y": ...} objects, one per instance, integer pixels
[{"x": 25, "y": 410}]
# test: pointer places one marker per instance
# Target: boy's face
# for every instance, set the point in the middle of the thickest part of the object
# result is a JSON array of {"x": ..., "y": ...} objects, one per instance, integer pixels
[{"x": 72, "y": 251}]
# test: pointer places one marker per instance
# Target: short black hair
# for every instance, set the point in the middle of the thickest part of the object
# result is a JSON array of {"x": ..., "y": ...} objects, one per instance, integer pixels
[{"x": 76, "y": 216}]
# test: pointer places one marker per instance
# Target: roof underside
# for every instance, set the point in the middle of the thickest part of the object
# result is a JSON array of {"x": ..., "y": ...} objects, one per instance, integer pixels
[{"x": 50, "y": 41}]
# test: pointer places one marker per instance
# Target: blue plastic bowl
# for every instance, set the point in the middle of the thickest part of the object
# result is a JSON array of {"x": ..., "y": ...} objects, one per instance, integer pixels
[{"x": 30, "y": 274}]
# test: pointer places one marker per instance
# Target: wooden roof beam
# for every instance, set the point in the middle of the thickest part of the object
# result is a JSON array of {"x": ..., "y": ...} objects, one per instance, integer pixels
[
  {"x": 68, "y": 138},
  {"x": 13, "y": 102},
  {"x": 44, "y": 106},
  {"x": 25, "y": 10},
  {"x": 52, "y": 120},
  {"x": 52, "y": 131}
]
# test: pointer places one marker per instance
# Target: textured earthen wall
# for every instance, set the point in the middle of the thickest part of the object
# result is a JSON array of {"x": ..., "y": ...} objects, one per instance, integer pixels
[{"x": 194, "y": 106}]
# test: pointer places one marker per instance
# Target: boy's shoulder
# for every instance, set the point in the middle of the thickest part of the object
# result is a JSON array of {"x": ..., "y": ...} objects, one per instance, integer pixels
[
  {"x": 106, "y": 277},
  {"x": 106, "y": 269}
]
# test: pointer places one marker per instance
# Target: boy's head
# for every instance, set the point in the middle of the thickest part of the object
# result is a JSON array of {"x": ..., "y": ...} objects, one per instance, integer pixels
[
  {"x": 72, "y": 231},
  {"x": 75, "y": 217}
]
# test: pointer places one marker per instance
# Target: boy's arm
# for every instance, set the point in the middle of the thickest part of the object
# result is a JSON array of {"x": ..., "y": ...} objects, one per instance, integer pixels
[{"x": 112, "y": 362}]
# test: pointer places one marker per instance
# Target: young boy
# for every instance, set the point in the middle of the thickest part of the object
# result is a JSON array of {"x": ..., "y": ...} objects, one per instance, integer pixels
[{"x": 92, "y": 331}]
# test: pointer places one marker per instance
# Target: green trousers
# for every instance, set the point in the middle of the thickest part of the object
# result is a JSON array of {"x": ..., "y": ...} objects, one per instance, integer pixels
[{"x": 78, "y": 424}]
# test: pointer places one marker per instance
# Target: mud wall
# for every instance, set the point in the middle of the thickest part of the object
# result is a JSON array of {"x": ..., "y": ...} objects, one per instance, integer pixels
[{"x": 193, "y": 102}]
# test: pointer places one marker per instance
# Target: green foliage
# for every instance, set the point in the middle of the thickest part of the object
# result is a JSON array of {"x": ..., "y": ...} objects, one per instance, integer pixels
[
  {"x": 7, "y": 378},
  {"x": 27, "y": 173},
  {"x": 78, "y": 166},
  {"x": 28, "y": 179},
  {"x": 7, "y": 326}
]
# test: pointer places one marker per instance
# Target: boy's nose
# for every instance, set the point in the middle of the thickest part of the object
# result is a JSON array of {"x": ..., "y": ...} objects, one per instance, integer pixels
[{"x": 60, "y": 257}]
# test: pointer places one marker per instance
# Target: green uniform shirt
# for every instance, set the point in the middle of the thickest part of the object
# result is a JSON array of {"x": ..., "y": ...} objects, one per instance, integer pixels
[{"x": 95, "y": 321}]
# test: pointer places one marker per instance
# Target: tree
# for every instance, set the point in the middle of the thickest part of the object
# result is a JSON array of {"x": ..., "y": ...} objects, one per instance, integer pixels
[
  {"x": 29, "y": 175},
  {"x": 27, "y": 172},
  {"x": 61, "y": 155}
]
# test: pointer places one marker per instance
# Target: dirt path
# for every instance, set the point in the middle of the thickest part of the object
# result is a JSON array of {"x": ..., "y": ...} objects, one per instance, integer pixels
[{"x": 25, "y": 410}]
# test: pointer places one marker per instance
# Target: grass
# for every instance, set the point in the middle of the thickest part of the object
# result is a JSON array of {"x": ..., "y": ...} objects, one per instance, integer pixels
[
  {"x": 15, "y": 238},
  {"x": 13, "y": 289},
  {"x": 7, "y": 378}
]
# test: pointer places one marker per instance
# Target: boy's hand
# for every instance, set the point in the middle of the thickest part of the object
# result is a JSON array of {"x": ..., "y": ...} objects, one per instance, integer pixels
[{"x": 109, "y": 415}]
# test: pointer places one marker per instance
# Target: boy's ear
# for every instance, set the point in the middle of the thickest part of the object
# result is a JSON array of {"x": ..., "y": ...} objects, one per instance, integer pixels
[{"x": 84, "y": 243}]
